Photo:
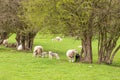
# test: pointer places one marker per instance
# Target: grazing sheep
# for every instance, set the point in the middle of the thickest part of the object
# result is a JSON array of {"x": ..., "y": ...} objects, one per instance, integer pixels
[
  {"x": 38, "y": 51},
  {"x": 5, "y": 42},
  {"x": 70, "y": 54},
  {"x": 20, "y": 47},
  {"x": 51, "y": 55},
  {"x": 57, "y": 39},
  {"x": 77, "y": 58}
]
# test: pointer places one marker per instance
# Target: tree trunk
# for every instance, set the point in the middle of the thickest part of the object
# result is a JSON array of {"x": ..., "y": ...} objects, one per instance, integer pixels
[
  {"x": 87, "y": 49},
  {"x": 112, "y": 57},
  {"x": 110, "y": 48},
  {"x": 23, "y": 42},
  {"x": 29, "y": 41},
  {"x": 106, "y": 46},
  {"x": 102, "y": 45},
  {"x": 18, "y": 39}
]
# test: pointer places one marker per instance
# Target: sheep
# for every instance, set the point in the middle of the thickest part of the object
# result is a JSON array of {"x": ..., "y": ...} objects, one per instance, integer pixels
[
  {"x": 37, "y": 51},
  {"x": 44, "y": 54},
  {"x": 70, "y": 54},
  {"x": 51, "y": 55},
  {"x": 5, "y": 42},
  {"x": 57, "y": 39},
  {"x": 19, "y": 48}
]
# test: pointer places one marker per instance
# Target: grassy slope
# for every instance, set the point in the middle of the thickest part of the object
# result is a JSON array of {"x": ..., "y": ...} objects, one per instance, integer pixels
[{"x": 20, "y": 65}]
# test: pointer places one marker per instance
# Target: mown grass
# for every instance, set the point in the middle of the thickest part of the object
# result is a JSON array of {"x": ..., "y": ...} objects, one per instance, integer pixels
[{"x": 20, "y": 65}]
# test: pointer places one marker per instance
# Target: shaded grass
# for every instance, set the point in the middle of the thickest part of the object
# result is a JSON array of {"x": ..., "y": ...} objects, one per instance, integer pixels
[{"x": 18, "y": 65}]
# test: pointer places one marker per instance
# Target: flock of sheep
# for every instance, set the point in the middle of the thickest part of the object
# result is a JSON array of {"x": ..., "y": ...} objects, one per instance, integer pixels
[{"x": 71, "y": 54}]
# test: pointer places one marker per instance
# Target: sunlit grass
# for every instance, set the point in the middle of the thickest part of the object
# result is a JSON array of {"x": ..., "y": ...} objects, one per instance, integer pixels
[{"x": 20, "y": 65}]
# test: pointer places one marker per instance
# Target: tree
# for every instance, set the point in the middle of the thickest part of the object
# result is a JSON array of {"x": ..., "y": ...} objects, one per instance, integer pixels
[
  {"x": 8, "y": 19},
  {"x": 73, "y": 17},
  {"x": 82, "y": 18},
  {"x": 78, "y": 16},
  {"x": 11, "y": 21},
  {"x": 109, "y": 29}
]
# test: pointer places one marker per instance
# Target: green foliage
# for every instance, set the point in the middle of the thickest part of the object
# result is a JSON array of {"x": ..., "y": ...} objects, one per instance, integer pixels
[
  {"x": 34, "y": 13},
  {"x": 9, "y": 21}
]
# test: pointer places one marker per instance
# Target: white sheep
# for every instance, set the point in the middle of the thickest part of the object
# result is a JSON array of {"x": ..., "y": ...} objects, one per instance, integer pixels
[
  {"x": 20, "y": 47},
  {"x": 70, "y": 54},
  {"x": 5, "y": 42},
  {"x": 37, "y": 51},
  {"x": 44, "y": 54},
  {"x": 57, "y": 39},
  {"x": 51, "y": 55}
]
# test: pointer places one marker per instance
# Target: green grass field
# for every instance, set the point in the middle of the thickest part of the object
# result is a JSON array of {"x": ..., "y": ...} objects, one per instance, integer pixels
[{"x": 20, "y": 65}]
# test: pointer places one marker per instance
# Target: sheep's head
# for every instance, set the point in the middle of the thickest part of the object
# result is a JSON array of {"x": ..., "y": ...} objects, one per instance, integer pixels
[
  {"x": 50, "y": 52},
  {"x": 75, "y": 51}
]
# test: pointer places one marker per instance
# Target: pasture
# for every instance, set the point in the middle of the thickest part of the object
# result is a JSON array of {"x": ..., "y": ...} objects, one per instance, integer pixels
[{"x": 20, "y": 65}]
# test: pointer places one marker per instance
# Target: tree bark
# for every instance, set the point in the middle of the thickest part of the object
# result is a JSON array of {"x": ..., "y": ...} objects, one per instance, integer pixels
[
  {"x": 112, "y": 57},
  {"x": 29, "y": 40},
  {"x": 18, "y": 38},
  {"x": 87, "y": 49},
  {"x": 23, "y": 42}
]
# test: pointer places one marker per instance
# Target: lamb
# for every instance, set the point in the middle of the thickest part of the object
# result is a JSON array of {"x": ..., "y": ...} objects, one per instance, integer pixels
[
  {"x": 44, "y": 54},
  {"x": 70, "y": 54},
  {"x": 5, "y": 42},
  {"x": 57, "y": 39},
  {"x": 20, "y": 47},
  {"x": 37, "y": 51},
  {"x": 51, "y": 55}
]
